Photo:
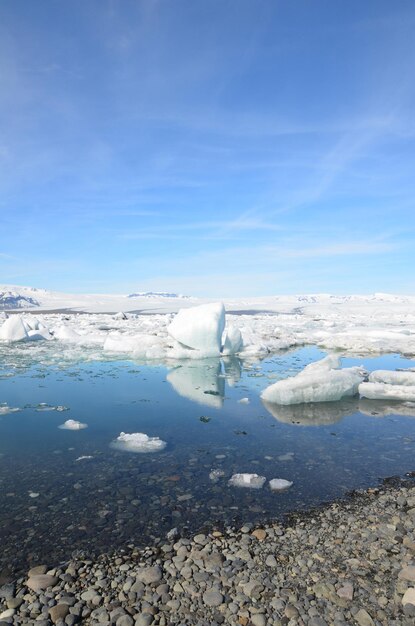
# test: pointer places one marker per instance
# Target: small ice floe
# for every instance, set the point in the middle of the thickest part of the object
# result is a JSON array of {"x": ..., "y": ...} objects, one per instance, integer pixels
[
  {"x": 33, "y": 494},
  {"x": 73, "y": 425},
  {"x": 244, "y": 401},
  {"x": 382, "y": 391},
  {"x": 84, "y": 457},
  {"x": 216, "y": 474},
  {"x": 288, "y": 456},
  {"x": 138, "y": 442},
  {"x": 44, "y": 406},
  {"x": 250, "y": 481},
  {"x": 5, "y": 409},
  {"x": 318, "y": 382},
  {"x": 388, "y": 385},
  {"x": 279, "y": 484}
]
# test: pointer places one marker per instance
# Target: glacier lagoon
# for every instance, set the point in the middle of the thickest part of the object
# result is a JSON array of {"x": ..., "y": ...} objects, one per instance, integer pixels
[{"x": 65, "y": 490}]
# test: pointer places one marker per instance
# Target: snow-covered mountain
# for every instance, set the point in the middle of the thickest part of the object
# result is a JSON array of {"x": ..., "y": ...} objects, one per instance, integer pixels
[
  {"x": 10, "y": 300},
  {"x": 13, "y": 297},
  {"x": 155, "y": 294}
]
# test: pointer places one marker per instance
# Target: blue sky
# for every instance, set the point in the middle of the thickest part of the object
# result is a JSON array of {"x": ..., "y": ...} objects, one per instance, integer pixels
[{"x": 209, "y": 147}]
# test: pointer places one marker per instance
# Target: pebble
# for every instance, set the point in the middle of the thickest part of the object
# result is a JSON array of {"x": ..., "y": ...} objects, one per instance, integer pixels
[{"x": 350, "y": 563}]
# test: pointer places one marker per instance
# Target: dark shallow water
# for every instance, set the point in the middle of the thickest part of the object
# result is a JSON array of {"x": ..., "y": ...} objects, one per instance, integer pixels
[{"x": 116, "y": 497}]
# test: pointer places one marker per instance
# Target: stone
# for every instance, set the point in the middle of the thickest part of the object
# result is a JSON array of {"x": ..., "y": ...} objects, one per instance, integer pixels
[
  {"x": 259, "y": 534},
  {"x": 143, "y": 619},
  {"x": 125, "y": 620},
  {"x": 407, "y": 573},
  {"x": 37, "y": 570},
  {"x": 7, "y": 613},
  {"x": 14, "y": 603},
  {"x": 150, "y": 575},
  {"x": 346, "y": 591},
  {"x": 258, "y": 620},
  {"x": 211, "y": 597},
  {"x": 363, "y": 618},
  {"x": 58, "y": 612},
  {"x": 41, "y": 581},
  {"x": 409, "y": 596}
]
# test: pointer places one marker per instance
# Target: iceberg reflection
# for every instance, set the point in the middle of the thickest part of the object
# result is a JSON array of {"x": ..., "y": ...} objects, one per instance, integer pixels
[{"x": 314, "y": 413}]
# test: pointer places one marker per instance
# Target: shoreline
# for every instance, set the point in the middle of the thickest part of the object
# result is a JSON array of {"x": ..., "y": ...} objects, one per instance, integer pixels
[{"x": 347, "y": 562}]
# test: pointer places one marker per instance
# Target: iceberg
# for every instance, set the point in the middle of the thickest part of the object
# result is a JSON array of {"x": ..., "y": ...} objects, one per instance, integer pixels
[
  {"x": 138, "y": 442},
  {"x": 250, "y": 481},
  {"x": 200, "y": 328},
  {"x": 317, "y": 382}
]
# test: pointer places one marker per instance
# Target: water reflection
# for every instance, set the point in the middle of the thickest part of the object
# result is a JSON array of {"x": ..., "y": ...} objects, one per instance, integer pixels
[
  {"x": 382, "y": 408},
  {"x": 313, "y": 414},
  {"x": 199, "y": 381}
]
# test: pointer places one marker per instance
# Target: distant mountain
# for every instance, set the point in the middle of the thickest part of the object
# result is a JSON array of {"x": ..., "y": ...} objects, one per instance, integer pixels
[
  {"x": 155, "y": 294},
  {"x": 15, "y": 300}
]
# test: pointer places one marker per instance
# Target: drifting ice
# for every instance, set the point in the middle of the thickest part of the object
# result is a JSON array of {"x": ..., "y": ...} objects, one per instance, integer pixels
[
  {"x": 279, "y": 484},
  {"x": 73, "y": 425},
  {"x": 318, "y": 382},
  {"x": 382, "y": 391},
  {"x": 251, "y": 481},
  {"x": 138, "y": 442},
  {"x": 13, "y": 329},
  {"x": 393, "y": 378}
]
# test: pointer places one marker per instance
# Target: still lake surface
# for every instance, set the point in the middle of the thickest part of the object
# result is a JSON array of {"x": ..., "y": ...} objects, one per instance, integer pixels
[{"x": 54, "y": 503}]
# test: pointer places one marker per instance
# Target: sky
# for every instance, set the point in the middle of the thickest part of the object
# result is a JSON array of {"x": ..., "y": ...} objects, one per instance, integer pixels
[{"x": 208, "y": 147}]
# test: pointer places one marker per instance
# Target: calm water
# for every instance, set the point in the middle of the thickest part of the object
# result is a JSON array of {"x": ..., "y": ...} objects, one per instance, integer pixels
[{"x": 52, "y": 504}]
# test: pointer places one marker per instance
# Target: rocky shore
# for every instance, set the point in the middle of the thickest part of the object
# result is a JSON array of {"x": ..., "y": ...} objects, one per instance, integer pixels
[{"x": 351, "y": 562}]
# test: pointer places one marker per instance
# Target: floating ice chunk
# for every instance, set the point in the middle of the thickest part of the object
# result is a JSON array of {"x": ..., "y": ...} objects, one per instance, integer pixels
[
  {"x": 251, "y": 481},
  {"x": 120, "y": 316},
  {"x": 383, "y": 391},
  {"x": 244, "y": 401},
  {"x": 138, "y": 442},
  {"x": 216, "y": 474},
  {"x": 233, "y": 341},
  {"x": 279, "y": 484},
  {"x": 140, "y": 345},
  {"x": 41, "y": 334},
  {"x": 43, "y": 406},
  {"x": 200, "y": 327},
  {"x": 73, "y": 425},
  {"x": 13, "y": 329},
  {"x": 315, "y": 384},
  {"x": 84, "y": 457},
  {"x": 406, "y": 378},
  {"x": 33, "y": 494},
  {"x": 5, "y": 409}
]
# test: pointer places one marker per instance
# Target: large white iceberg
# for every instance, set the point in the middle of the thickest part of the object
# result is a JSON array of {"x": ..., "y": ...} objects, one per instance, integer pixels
[
  {"x": 316, "y": 383},
  {"x": 200, "y": 328},
  {"x": 138, "y": 442}
]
